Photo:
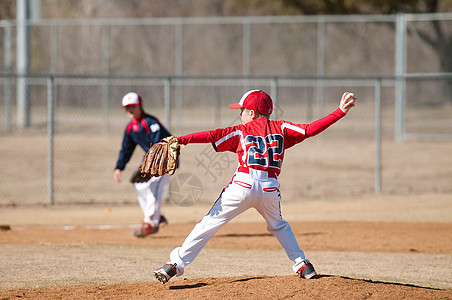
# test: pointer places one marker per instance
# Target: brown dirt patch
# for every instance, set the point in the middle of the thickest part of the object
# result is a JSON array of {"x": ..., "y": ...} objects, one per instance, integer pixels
[
  {"x": 257, "y": 287},
  {"x": 398, "y": 237},
  {"x": 339, "y": 236}
]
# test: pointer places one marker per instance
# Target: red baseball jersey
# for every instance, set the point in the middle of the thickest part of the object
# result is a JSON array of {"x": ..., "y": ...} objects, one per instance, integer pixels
[{"x": 260, "y": 144}]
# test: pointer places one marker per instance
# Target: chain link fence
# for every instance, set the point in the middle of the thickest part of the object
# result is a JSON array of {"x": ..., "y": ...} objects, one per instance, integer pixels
[
  {"x": 189, "y": 69},
  {"x": 67, "y": 154}
]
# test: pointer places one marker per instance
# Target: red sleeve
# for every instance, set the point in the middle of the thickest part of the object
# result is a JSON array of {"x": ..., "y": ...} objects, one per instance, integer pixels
[
  {"x": 197, "y": 137},
  {"x": 320, "y": 125},
  {"x": 222, "y": 139}
]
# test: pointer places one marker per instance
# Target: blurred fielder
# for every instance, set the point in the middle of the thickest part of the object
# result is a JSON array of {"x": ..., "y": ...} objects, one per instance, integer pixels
[{"x": 143, "y": 130}]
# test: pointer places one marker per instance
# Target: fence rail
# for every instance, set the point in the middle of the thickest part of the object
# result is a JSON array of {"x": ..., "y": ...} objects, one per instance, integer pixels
[
  {"x": 179, "y": 98},
  {"x": 188, "y": 69}
]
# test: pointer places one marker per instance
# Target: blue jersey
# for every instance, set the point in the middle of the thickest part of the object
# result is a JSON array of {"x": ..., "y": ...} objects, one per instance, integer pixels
[{"x": 142, "y": 132}]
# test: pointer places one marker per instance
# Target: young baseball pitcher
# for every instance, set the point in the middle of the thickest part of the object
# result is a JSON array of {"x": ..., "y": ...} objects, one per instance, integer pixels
[
  {"x": 260, "y": 144},
  {"x": 143, "y": 130}
]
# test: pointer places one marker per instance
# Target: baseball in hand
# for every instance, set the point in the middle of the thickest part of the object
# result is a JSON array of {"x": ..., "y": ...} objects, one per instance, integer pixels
[{"x": 347, "y": 101}]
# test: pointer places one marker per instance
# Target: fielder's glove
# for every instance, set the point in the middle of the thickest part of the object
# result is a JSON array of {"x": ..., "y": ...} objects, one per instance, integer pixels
[
  {"x": 161, "y": 158},
  {"x": 137, "y": 177}
]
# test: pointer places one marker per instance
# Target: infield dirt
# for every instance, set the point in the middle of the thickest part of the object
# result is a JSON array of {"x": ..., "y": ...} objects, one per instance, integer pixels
[{"x": 362, "y": 248}]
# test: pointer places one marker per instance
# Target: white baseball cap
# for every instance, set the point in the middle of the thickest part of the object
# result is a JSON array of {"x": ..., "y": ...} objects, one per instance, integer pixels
[{"x": 131, "y": 98}]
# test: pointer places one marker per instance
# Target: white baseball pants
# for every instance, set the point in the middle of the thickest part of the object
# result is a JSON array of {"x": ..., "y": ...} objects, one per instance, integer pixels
[
  {"x": 150, "y": 196},
  {"x": 245, "y": 191}
]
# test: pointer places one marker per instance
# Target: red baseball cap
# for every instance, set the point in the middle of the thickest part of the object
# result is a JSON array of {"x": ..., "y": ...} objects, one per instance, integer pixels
[
  {"x": 256, "y": 100},
  {"x": 131, "y": 99}
]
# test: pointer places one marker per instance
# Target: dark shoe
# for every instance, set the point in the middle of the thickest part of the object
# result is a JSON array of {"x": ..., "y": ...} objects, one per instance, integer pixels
[
  {"x": 165, "y": 272},
  {"x": 163, "y": 221},
  {"x": 307, "y": 271}
]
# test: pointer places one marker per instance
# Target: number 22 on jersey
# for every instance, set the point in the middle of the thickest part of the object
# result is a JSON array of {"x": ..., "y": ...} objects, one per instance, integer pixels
[{"x": 265, "y": 152}]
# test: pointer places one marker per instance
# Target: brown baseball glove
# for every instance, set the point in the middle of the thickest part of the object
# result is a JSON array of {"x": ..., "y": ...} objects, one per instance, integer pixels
[{"x": 161, "y": 158}]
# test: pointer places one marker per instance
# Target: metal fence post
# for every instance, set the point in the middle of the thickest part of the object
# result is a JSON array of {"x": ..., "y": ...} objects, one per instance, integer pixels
[
  {"x": 320, "y": 64},
  {"x": 378, "y": 136},
  {"x": 167, "y": 102},
  {"x": 274, "y": 96},
  {"x": 179, "y": 70},
  {"x": 53, "y": 49},
  {"x": 8, "y": 81},
  {"x": 167, "y": 108},
  {"x": 50, "y": 133},
  {"x": 179, "y": 45},
  {"x": 23, "y": 63},
  {"x": 400, "y": 61},
  {"x": 105, "y": 71},
  {"x": 246, "y": 53}
]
